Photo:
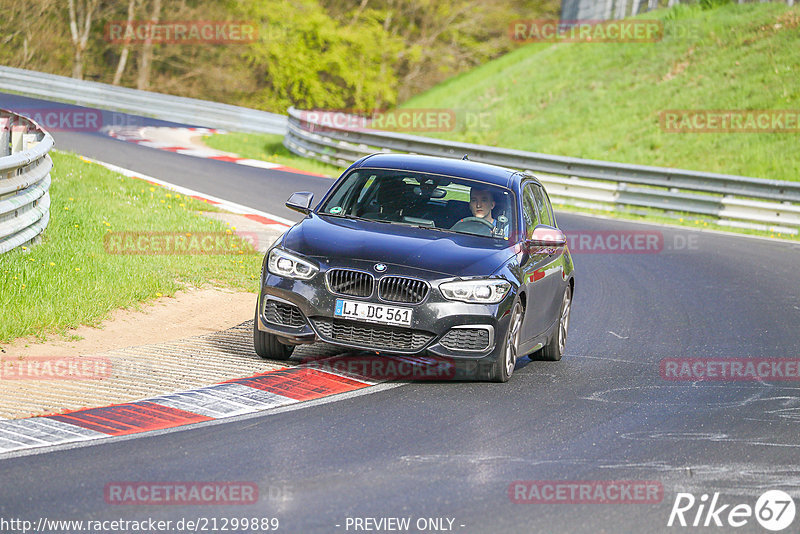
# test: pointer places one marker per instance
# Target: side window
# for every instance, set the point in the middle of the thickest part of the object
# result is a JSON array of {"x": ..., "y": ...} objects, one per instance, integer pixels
[
  {"x": 529, "y": 211},
  {"x": 550, "y": 209},
  {"x": 342, "y": 198},
  {"x": 366, "y": 187},
  {"x": 542, "y": 206}
]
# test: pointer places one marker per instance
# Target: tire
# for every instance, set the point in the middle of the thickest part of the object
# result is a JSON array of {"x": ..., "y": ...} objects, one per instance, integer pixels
[
  {"x": 554, "y": 350},
  {"x": 505, "y": 365},
  {"x": 267, "y": 345}
]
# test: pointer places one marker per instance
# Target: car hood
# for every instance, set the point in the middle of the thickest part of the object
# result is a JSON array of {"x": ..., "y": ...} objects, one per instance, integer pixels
[{"x": 445, "y": 253}]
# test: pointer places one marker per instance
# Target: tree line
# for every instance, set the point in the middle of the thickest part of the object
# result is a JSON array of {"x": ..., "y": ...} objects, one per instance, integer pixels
[{"x": 343, "y": 54}]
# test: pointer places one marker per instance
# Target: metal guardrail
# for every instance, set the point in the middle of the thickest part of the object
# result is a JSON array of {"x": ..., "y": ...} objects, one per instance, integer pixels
[
  {"x": 24, "y": 180},
  {"x": 737, "y": 201},
  {"x": 160, "y": 106},
  {"x": 732, "y": 200}
]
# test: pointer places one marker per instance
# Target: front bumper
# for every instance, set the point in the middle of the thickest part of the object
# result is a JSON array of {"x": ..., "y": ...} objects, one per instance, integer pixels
[{"x": 432, "y": 319}]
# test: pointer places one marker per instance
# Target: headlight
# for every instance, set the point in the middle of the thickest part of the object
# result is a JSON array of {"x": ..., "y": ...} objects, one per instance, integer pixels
[
  {"x": 282, "y": 263},
  {"x": 476, "y": 291}
]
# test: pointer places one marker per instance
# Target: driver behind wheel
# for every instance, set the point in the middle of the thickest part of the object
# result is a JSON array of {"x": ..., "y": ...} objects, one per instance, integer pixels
[{"x": 481, "y": 204}]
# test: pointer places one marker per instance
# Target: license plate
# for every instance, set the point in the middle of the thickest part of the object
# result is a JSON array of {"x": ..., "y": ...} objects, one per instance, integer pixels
[{"x": 373, "y": 313}]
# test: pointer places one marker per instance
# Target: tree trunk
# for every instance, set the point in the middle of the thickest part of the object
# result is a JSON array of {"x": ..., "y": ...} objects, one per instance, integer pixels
[
  {"x": 357, "y": 12},
  {"x": 80, "y": 22},
  {"x": 622, "y": 7},
  {"x": 608, "y": 9},
  {"x": 123, "y": 57},
  {"x": 77, "y": 64},
  {"x": 146, "y": 56}
]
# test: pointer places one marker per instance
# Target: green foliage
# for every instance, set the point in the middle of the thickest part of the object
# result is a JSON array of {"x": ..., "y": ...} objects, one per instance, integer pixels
[
  {"x": 713, "y": 4},
  {"x": 682, "y": 11},
  {"x": 602, "y": 100},
  {"x": 307, "y": 59},
  {"x": 350, "y": 54},
  {"x": 443, "y": 38}
]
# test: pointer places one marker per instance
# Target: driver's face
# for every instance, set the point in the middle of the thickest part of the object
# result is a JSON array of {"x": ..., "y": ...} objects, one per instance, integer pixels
[{"x": 481, "y": 203}]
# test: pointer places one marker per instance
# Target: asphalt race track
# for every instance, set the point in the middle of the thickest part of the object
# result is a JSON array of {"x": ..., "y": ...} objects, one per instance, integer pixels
[{"x": 452, "y": 450}]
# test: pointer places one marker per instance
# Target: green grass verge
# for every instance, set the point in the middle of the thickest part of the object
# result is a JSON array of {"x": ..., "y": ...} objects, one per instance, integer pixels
[
  {"x": 69, "y": 279},
  {"x": 268, "y": 147},
  {"x": 602, "y": 100}
]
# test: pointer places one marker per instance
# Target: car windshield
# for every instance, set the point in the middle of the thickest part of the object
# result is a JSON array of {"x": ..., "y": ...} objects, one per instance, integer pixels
[{"x": 425, "y": 200}]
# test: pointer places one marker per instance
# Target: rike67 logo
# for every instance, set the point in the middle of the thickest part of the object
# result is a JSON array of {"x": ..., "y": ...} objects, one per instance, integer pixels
[{"x": 774, "y": 510}]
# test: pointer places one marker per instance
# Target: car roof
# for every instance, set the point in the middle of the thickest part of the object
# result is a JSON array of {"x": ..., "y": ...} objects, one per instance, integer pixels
[{"x": 483, "y": 172}]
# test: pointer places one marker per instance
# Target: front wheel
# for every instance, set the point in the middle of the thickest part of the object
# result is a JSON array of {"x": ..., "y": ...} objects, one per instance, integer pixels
[
  {"x": 555, "y": 348},
  {"x": 267, "y": 345},
  {"x": 504, "y": 367}
]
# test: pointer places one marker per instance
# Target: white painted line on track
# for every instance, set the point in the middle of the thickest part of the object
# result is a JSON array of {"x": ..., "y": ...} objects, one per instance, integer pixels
[{"x": 226, "y": 204}]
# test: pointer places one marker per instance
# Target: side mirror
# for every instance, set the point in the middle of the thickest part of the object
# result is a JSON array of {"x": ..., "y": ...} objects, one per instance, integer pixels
[
  {"x": 547, "y": 236},
  {"x": 300, "y": 202}
]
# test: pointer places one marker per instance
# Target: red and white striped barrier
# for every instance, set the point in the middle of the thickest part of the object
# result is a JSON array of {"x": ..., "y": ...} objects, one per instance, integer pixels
[{"x": 235, "y": 397}]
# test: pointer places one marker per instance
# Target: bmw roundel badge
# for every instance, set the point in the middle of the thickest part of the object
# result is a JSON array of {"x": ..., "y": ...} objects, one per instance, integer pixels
[{"x": 380, "y": 267}]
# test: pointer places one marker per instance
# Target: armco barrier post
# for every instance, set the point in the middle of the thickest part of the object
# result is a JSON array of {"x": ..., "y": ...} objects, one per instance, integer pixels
[{"x": 5, "y": 139}]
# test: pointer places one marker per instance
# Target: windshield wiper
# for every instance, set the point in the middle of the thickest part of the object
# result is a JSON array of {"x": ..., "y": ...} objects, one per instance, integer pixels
[
  {"x": 344, "y": 216},
  {"x": 429, "y": 227},
  {"x": 354, "y": 218}
]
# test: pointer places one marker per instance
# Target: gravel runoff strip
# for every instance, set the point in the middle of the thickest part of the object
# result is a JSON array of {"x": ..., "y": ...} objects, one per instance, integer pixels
[{"x": 149, "y": 370}]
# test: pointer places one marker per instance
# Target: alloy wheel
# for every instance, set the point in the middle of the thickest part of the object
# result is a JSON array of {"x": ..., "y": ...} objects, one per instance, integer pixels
[{"x": 512, "y": 339}]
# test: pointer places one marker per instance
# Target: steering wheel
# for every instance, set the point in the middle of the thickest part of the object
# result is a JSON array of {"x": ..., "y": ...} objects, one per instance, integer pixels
[{"x": 474, "y": 225}]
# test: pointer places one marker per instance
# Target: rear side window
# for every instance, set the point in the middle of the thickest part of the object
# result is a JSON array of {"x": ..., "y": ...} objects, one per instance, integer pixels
[
  {"x": 542, "y": 205},
  {"x": 529, "y": 211},
  {"x": 550, "y": 208}
]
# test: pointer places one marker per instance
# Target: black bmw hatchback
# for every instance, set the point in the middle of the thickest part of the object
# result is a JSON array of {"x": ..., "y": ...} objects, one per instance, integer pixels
[{"x": 424, "y": 256}]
